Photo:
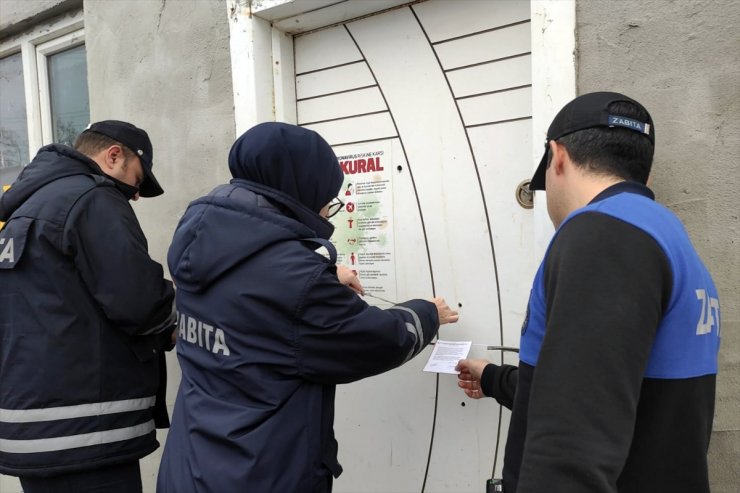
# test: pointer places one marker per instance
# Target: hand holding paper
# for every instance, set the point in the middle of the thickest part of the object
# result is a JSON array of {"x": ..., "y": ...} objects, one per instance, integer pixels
[
  {"x": 469, "y": 377},
  {"x": 445, "y": 356}
]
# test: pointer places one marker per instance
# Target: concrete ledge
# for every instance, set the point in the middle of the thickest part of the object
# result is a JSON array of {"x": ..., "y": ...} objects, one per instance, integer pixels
[{"x": 17, "y": 17}]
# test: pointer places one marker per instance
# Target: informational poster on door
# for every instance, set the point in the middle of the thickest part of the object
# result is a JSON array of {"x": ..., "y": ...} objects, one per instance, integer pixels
[{"x": 363, "y": 233}]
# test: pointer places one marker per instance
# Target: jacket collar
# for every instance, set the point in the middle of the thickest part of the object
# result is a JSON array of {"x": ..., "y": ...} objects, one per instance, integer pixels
[{"x": 624, "y": 187}]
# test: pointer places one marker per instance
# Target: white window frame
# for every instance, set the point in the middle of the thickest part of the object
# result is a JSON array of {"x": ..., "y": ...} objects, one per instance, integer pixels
[
  {"x": 43, "y": 52},
  {"x": 35, "y": 46}
]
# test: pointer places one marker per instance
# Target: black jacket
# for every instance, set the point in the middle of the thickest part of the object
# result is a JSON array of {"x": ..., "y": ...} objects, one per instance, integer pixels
[{"x": 84, "y": 313}]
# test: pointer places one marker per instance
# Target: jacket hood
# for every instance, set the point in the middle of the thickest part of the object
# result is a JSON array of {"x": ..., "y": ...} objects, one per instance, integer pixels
[
  {"x": 293, "y": 166},
  {"x": 224, "y": 228},
  {"x": 52, "y": 162}
]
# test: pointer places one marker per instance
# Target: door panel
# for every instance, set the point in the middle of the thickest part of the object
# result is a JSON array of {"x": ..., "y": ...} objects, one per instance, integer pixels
[
  {"x": 444, "y": 20},
  {"x": 345, "y": 104},
  {"x": 497, "y": 76},
  {"x": 356, "y": 129},
  {"x": 497, "y": 107},
  {"x": 443, "y": 90},
  {"x": 332, "y": 80},
  {"x": 327, "y": 48},
  {"x": 484, "y": 47}
]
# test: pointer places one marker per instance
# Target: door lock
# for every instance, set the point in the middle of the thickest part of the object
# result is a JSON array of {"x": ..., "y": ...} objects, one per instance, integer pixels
[{"x": 524, "y": 195}]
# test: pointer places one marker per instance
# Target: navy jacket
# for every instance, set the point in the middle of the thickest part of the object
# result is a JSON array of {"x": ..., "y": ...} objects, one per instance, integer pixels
[
  {"x": 83, "y": 314},
  {"x": 266, "y": 331}
]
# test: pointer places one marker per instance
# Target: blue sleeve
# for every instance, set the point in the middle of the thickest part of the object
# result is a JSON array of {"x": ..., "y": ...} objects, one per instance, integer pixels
[{"x": 342, "y": 339}]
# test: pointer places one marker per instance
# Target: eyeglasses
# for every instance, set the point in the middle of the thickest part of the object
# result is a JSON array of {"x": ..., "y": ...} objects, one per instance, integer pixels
[{"x": 335, "y": 206}]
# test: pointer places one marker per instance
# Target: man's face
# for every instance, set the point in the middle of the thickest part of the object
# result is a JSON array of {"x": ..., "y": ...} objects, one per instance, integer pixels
[
  {"x": 130, "y": 172},
  {"x": 123, "y": 165}
]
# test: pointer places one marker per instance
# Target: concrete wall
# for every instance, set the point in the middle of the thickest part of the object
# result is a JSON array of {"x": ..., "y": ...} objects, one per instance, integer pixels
[
  {"x": 681, "y": 59},
  {"x": 165, "y": 66}
]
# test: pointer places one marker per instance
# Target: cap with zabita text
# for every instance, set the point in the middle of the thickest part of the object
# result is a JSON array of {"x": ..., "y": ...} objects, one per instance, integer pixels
[{"x": 590, "y": 111}]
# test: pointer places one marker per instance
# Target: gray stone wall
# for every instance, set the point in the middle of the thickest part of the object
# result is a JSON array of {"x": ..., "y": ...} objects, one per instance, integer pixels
[
  {"x": 165, "y": 66},
  {"x": 681, "y": 59}
]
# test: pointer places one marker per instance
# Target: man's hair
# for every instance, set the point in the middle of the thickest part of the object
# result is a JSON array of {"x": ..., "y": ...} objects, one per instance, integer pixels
[
  {"x": 91, "y": 143},
  {"x": 613, "y": 151}
]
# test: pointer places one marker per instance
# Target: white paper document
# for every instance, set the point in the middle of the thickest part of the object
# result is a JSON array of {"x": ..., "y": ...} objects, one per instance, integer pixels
[{"x": 445, "y": 356}]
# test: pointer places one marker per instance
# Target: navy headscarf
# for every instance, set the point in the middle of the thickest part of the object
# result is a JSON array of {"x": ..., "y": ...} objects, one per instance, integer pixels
[{"x": 291, "y": 165}]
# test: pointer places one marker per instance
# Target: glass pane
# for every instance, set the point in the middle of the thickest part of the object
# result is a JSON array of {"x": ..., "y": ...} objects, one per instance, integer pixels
[
  {"x": 13, "y": 123},
  {"x": 70, "y": 107}
]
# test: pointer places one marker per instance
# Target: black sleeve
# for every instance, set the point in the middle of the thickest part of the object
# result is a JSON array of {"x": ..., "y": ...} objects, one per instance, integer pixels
[
  {"x": 342, "y": 339},
  {"x": 110, "y": 253},
  {"x": 606, "y": 283},
  {"x": 499, "y": 382}
]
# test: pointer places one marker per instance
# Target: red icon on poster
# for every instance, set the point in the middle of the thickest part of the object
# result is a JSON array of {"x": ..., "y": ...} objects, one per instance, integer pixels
[
  {"x": 350, "y": 207},
  {"x": 349, "y": 221}
]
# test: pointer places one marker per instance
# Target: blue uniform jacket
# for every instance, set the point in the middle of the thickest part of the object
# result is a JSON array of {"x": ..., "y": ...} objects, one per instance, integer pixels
[{"x": 266, "y": 331}]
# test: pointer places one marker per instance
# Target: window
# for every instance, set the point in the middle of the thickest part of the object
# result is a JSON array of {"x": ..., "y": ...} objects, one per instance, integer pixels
[
  {"x": 43, "y": 91},
  {"x": 13, "y": 122},
  {"x": 70, "y": 109}
]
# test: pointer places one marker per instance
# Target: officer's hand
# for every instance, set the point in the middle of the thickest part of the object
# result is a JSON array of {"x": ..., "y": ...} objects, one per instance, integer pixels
[
  {"x": 446, "y": 314},
  {"x": 469, "y": 377},
  {"x": 347, "y": 277}
]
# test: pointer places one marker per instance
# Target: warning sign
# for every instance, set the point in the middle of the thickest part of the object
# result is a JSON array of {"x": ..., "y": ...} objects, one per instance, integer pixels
[{"x": 364, "y": 228}]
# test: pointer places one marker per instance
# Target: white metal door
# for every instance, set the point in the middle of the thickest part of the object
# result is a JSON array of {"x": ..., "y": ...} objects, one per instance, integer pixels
[{"x": 440, "y": 93}]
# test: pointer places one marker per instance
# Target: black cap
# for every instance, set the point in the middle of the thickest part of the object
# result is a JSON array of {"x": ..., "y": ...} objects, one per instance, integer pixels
[
  {"x": 136, "y": 140},
  {"x": 589, "y": 111}
]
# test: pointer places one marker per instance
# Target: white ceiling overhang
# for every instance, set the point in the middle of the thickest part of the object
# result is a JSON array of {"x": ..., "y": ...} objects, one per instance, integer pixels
[{"x": 300, "y": 16}]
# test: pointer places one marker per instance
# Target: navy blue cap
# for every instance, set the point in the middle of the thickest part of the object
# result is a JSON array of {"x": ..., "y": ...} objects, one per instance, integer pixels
[
  {"x": 137, "y": 141},
  {"x": 589, "y": 111}
]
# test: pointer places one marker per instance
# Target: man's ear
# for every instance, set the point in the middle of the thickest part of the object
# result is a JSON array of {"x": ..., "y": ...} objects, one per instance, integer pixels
[
  {"x": 113, "y": 157},
  {"x": 559, "y": 157}
]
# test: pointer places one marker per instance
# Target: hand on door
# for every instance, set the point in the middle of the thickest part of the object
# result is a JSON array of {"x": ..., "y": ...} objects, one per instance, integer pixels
[
  {"x": 446, "y": 314},
  {"x": 349, "y": 278}
]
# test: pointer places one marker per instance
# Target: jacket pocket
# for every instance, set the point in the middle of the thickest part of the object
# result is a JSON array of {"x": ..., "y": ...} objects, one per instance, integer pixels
[{"x": 144, "y": 347}]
